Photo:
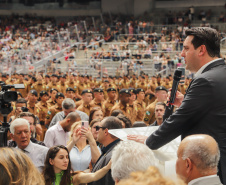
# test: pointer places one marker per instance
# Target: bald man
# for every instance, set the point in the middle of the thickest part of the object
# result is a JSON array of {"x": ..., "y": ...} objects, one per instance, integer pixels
[{"x": 197, "y": 160}]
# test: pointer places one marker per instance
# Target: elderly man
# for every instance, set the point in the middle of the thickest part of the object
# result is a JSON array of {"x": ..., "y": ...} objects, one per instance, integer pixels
[
  {"x": 198, "y": 157},
  {"x": 68, "y": 106},
  {"x": 109, "y": 142},
  {"x": 21, "y": 134},
  {"x": 130, "y": 156},
  {"x": 59, "y": 133}
]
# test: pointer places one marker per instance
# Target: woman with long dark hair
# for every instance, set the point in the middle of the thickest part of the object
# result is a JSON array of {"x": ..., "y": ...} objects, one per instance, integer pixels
[{"x": 57, "y": 170}]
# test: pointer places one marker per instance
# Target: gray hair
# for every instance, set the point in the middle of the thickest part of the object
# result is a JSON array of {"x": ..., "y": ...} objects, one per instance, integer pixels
[
  {"x": 130, "y": 156},
  {"x": 18, "y": 122},
  {"x": 68, "y": 103},
  {"x": 204, "y": 157}
]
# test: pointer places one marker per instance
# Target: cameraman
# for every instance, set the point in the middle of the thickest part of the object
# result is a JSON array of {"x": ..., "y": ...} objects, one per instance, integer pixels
[{"x": 21, "y": 106}]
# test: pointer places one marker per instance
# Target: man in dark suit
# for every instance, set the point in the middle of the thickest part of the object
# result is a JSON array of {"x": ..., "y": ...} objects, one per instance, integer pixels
[
  {"x": 109, "y": 142},
  {"x": 203, "y": 108}
]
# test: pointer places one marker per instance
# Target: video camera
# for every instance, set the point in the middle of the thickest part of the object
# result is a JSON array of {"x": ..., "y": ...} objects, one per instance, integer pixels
[{"x": 6, "y": 97}]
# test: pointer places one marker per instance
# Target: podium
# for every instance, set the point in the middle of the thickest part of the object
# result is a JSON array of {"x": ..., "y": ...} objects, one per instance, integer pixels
[{"x": 166, "y": 155}]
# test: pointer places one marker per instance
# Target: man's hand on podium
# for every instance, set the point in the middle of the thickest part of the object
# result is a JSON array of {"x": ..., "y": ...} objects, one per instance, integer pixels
[{"x": 137, "y": 138}]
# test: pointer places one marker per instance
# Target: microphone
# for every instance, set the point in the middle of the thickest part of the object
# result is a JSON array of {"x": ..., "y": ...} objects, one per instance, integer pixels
[{"x": 170, "y": 107}]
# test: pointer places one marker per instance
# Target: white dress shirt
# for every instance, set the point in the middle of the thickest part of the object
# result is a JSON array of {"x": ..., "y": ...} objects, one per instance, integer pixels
[
  {"x": 204, "y": 66},
  {"x": 206, "y": 180},
  {"x": 56, "y": 135},
  {"x": 37, "y": 154}
]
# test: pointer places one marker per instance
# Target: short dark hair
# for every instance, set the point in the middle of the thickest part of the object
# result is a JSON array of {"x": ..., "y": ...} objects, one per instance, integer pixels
[
  {"x": 21, "y": 100},
  {"x": 126, "y": 120},
  {"x": 116, "y": 112},
  {"x": 205, "y": 36},
  {"x": 112, "y": 122},
  {"x": 28, "y": 114},
  {"x": 139, "y": 124},
  {"x": 161, "y": 103}
]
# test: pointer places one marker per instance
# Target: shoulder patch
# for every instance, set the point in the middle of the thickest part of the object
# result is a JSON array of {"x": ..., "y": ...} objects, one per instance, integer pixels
[
  {"x": 148, "y": 113},
  {"x": 49, "y": 112},
  {"x": 146, "y": 119}
]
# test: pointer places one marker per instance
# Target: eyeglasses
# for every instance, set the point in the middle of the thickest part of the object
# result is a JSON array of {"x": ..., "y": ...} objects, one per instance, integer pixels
[{"x": 98, "y": 128}]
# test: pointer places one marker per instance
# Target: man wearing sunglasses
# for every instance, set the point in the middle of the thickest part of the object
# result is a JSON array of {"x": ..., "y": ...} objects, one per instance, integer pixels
[{"x": 109, "y": 142}]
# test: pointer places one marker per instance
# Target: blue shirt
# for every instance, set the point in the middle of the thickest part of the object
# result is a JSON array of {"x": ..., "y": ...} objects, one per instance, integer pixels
[{"x": 80, "y": 160}]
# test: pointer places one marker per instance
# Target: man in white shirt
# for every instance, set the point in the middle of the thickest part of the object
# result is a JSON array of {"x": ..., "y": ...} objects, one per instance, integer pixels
[
  {"x": 21, "y": 134},
  {"x": 59, "y": 133},
  {"x": 197, "y": 160}
]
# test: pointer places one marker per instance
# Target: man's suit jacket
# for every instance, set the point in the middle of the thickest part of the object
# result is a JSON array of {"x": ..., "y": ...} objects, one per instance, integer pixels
[
  {"x": 215, "y": 180},
  {"x": 203, "y": 111},
  {"x": 103, "y": 161}
]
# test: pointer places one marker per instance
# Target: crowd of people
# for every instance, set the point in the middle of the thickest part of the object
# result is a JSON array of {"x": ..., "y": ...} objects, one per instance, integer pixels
[{"x": 60, "y": 122}]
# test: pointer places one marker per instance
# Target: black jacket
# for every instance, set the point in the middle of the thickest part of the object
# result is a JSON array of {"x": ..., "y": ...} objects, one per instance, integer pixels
[{"x": 203, "y": 111}]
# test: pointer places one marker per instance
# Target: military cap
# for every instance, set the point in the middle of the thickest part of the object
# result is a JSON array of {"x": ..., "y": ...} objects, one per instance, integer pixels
[
  {"x": 54, "y": 75},
  {"x": 70, "y": 89},
  {"x": 4, "y": 76},
  {"x": 111, "y": 89},
  {"x": 124, "y": 91},
  {"x": 74, "y": 74},
  {"x": 142, "y": 77},
  {"x": 131, "y": 90},
  {"x": 53, "y": 89},
  {"x": 46, "y": 76},
  {"x": 86, "y": 91},
  {"x": 18, "y": 93},
  {"x": 139, "y": 90},
  {"x": 111, "y": 77},
  {"x": 106, "y": 81},
  {"x": 34, "y": 92},
  {"x": 42, "y": 93},
  {"x": 59, "y": 94},
  {"x": 98, "y": 90},
  {"x": 159, "y": 88},
  {"x": 64, "y": 76},
  {"x": 34, "y": 79},
  {"x": 82, "y": 76}
]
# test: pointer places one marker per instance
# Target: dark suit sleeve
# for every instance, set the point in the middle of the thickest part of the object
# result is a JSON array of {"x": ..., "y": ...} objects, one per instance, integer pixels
[{"x": 194, "y": 107}]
